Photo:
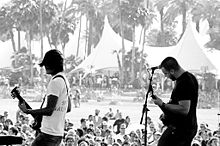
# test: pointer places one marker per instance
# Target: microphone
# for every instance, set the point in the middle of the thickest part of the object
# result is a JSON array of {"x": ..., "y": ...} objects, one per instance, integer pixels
[{"x": 154, "y": 68}]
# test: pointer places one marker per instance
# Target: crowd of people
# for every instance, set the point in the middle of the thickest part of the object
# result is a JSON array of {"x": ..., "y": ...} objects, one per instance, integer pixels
[{"x": 113, "y": 128}]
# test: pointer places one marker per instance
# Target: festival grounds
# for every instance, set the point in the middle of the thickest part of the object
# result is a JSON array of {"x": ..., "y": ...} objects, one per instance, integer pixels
[{"x": 128, "y": 108}]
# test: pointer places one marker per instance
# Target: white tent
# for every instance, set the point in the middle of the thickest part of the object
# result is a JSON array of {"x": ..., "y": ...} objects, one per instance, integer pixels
[
  {"x": 102, "y": 56},
  {"x": 189, "y": 53},
  {"x": 6, "y": 53},
  {"x": 155, "y": 55}
]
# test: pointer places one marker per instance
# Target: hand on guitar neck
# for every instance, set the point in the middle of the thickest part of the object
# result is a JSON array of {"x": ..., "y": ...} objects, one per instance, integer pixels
[
  {"x": 157, "y": 100},
  {"x": 15, "y": 93},
  {"x": 24, "y": 106},
  {"x": 165, "y": 117}
]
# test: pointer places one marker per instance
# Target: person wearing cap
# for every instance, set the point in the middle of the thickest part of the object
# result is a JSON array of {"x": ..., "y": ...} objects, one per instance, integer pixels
[
  {"x": 179, "y": 114},
  {"x": 57, "y": 102}
]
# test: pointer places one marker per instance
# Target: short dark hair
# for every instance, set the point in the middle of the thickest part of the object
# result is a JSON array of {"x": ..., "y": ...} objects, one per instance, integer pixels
[
  {"x": 170, "y": 63},
  {"x": 14, "y": 130},
  {"x": 53, "y": 59},
  {"x": 82, "y": 120}
]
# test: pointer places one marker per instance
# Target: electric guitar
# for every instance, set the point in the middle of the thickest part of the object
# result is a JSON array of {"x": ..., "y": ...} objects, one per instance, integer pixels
[
  {"x": 37, "y": 118},
  {"x": 166, "y": 117}
]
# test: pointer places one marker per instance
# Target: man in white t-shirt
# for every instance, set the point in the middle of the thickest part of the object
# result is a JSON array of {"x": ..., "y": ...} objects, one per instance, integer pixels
[{"x": 57, "y": 102}]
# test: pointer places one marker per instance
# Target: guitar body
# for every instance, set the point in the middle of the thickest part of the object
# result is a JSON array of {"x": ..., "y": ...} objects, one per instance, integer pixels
[
  {"x": 165, "y": 119},
  {"x": 169, "y": 119},
  {"x": 37, "y": 118},
  {"x": 37, "y": 122}
]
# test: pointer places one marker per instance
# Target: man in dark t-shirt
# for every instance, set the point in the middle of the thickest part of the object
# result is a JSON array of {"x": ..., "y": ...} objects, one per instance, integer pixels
[
  {"x": 118, "y": 123},
  {"x": 179, "y": 114}
]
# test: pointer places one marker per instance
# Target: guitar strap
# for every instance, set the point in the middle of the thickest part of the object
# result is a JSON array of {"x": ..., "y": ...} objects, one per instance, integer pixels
[
  {"x": 43, "y": 102},
  {"x": 64, "y": 81},
  {"x": 69, "y": 100},
  {"x": 45, "y": 95}
]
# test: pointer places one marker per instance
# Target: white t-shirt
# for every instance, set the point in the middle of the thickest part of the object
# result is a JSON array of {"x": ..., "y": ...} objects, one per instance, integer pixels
[{"x": 54, "y": 124}]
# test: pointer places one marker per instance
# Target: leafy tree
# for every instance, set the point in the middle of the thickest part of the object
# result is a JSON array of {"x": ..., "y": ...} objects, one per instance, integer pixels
[
  {"x": 62, "y": 25},
  {"x": 25, "y": 16},
  {"x": 128, "y": 66},
  {"x": 124, "y": 15},
  {"x": 175, "y": 8},
  {"x": 7, "y": 25},
  {"x": 21, "y": 63},
  {"x": 165, "y": 36},
  {"x": 95, "y": 13},
  {"x": 162, "y": 39},
  {"x": 209, "y": 10},
  {"x": 136, "y": 15}
]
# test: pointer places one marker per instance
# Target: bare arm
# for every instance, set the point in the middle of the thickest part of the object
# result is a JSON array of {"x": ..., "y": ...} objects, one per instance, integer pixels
[
  {"x": 47, "y": 111},
  {"x": 181, "y": 108},
  {"x": 69, "y": 105}
]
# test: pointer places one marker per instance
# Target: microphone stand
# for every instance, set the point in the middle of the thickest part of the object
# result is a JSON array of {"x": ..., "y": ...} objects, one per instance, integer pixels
[{"x": 145, "y": 109}]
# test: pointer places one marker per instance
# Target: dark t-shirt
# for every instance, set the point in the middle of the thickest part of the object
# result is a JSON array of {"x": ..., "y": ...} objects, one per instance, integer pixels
[
  {"x": 118, "y": 123},
  {"x": 186, "y": 88}
]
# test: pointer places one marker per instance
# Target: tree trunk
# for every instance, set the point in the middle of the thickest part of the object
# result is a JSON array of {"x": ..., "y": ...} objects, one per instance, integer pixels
[
  {"x": 133, "y": 56},
  {"x": 142, "y": 50},
  {"x": 119, "y": 62},
  {"x": 162, "y": 27},
  {"x": 13, "y": 41},
  {"x": 86, "y": 37},
  {"x": 42, "y": 48},
  {"x": 19, "y": 39},
  {"x": 161, "y": 20},
  {"x": 183, "y": 20},
  {"x": 197, "y": 26},
  {"x": 142, "y": 53},
  {"x": 64, "y": 54},
  {"x": 30, "y": 53},
  {"x": 79, "y": 35},
  {"x": 90, "y": 41},
  {"x": 123, "y": 47}
]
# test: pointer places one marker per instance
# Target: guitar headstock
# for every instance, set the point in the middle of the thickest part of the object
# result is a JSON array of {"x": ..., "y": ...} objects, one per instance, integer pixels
[{"x": 15, "y": 93}]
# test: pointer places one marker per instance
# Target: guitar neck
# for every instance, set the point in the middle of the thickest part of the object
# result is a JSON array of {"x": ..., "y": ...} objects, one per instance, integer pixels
[{"x": 22, "y": 100}]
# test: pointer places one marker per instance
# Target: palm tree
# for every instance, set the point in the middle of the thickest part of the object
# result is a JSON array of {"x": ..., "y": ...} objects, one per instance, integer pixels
[
  {"x": 26, "y": 15},
  {"x": 62, "y": 25},
  {"x": 136, "y": 15},
  {"x": 160, "y": 5},
  {"x": 148, "y": 21},
  {"x": 208, "y": 10},
  {"x": 7, "y": 24},
  {"x": 93, "y": 10},
  {"x": 176, "y": 8}
]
